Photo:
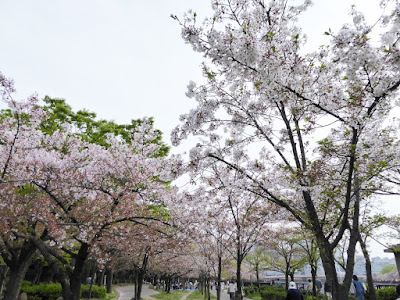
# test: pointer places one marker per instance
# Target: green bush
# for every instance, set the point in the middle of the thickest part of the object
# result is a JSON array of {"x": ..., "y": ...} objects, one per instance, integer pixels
[
  {"x": 388, "y": 293},
  {"x": 53, "y": 290},
  {"x": 273, "y": 293},
  {"x": 42, "y": 291},
  {"x": 279, "y": 293},
  {"x": 247, "y": 290},
  {"x": 97, "y": 291}
]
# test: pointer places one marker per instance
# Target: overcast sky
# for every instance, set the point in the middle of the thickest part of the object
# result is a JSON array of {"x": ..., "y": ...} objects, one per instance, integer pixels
[{"x": 122, "y": 59}]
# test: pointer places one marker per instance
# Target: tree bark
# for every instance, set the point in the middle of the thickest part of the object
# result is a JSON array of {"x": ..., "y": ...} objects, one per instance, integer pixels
[
  {"x": 238, "y": 274},
  {"x": 109, "y": 280},
  {"x": 18, "y": 266},
  {"x": 258, "y": 277},
  {"x": 219, "y": 277},
  {"x": 140, "y": 275},
  {"x": 76, "y": 276},
  {"x": 370, "y": 281},
  {"x": 4, "y": 274}
]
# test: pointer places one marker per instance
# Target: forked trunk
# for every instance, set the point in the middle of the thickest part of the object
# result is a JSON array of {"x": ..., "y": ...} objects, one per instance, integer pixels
[{"x": 17, "y": 271}]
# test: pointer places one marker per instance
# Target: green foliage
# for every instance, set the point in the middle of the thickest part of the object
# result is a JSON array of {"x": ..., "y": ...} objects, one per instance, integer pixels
[
  {"x": 247, "y": 290},
  {"x": 42, "y": 291},
  {"x": 53, "y": 290},
  {"x": 273, "y": 293},
  {"x": 196, "y": 295},
  {"x": 173, "y": 295},
  {"x": 90, "y": 129},
  {"x": 97, "y": 291},
  {"x": 388, "y": 268},
  {"x": 279, "y": 293},
  {"x": 388, "y": 293}
]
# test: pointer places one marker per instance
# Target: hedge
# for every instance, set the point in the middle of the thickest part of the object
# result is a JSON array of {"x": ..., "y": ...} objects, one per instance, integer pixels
[
  {"x": 52, "y": 291},
  {"x": 388, "y": 293}
]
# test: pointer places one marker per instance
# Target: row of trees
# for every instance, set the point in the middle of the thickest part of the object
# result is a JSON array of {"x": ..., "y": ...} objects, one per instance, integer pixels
[
  {"x": 73, "y": 188},
  {"x": 284, "y": 136},
  {"x": 306, "y": 135}
]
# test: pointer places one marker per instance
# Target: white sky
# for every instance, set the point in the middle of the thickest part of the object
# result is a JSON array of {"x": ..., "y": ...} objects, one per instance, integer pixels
[{"x": 122, "y": 59}]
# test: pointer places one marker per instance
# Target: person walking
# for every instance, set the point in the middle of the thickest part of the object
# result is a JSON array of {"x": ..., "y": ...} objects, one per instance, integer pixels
[
  {"x": 309, "y": 285},
  {"x": 359, "y": 288},
  {"x": 293, "y": 292},
  {"x": 232, "y": 290}
]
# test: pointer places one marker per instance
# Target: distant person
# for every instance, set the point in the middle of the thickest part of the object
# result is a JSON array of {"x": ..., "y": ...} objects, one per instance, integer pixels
[
  {"x": 232, "y": 289},
  {"x": 278, "y": 283},
  {"x": 293, "y": 292},
  {"x": 318, "y": 284},
  {"x": 309, "y": 285},
  {"x": 359, "y": 288},
  {"x": 328, "y": 289},
  {"x": 273, "y": 282}
]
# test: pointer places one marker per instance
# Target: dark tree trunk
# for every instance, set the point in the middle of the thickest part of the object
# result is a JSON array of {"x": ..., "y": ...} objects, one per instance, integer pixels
[
  {"x": 219, "y": 277},
  {"x": 109, "y": 280},
  {"x": 370, "y": 281},
  {"x": 313, "y": 277},
  {"x": 140, "y": 276},
  {"x": 38, "y": 273},
  {"x": 258, "y": 277},
  {"x": 239, "y": 274},
  {"x": 4, "y": 274},
  {"x": 76, "y": 276},
  {"x": 100, "y": 277},
  {"x": 17, "y": 270}
]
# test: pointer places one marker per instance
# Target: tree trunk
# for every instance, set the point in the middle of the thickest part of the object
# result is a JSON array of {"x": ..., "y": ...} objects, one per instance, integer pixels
[
  {"x": 258, "y": 277},
  {"x": 76, "y": 276},
  {"x": 18, "y": 267},
  {"x": 370, "y": 281},
  {"x": 4, "y": 274},
  {"x": 140, "y": 276},
  {"x": 328, "y": 262},
  {"x": 109, "y": 280},
  {"x": 100, "y": 278},
  {"x": 313, "y": 276},
  {"x": 239, "y": 274},
  {"x": 219, "y": 277}
]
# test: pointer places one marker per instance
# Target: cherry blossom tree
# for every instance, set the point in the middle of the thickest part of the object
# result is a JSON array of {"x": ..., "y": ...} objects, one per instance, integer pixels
[
  {"x": 284, "y": 254},
  {"x": 317, "y": 119},
  {"x": 63, "y": 195},
  {"x": 233, "y": 218},
  {"x": 24, "y": 209}
]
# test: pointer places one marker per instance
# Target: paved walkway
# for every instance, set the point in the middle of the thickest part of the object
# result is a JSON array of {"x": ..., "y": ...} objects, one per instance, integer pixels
[
  {"x": 127, "y": 292},
  {"x": 224, "y": 294}
]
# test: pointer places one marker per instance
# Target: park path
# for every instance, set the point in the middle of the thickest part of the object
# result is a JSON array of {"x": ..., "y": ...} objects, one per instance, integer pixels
[{"x": 127, "y": 292}]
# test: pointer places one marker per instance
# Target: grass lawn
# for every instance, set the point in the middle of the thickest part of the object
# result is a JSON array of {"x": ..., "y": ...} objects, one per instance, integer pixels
[
  {"x": 173, "y": 295},
  {"x": 255, "y": 296},
  {"x": 196, "y": 295},
  {"x": 113, "y": 295}
]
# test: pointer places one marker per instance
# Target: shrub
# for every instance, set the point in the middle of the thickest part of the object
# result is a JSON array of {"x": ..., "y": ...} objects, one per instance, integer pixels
[
  {"x": 53, "y": 290},
  {"x": 42, "y": 291},
  {"x": 273, "y": 293},
  {"x": 249, "y": 290},
  {"x": 388, "y": 293},
  {"x": 97, "y": 291}
]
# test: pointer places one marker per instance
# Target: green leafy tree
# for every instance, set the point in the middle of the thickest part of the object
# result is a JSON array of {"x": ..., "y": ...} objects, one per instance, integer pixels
[
  {"x": 388, "y": 269},
  {"x": 91, "y": 129}
]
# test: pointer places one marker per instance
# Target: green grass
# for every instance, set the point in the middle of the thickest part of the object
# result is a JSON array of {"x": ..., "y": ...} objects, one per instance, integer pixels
[
  {"x": 173, "y": 295},
  {"x": 196, "y": 295},
  {"x": 255, "y": 296},
  {"x": 113, "y": 295}
]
